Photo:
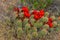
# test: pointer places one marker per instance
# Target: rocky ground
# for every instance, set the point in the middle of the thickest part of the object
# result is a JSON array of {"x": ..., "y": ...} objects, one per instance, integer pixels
[{"x": 4, "y": 4}]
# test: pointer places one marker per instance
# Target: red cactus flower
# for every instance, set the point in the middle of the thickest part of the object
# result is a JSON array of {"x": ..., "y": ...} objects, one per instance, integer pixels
[
  {"x": 50, "y": 22},
  {"x": 36, "y": 17},
  {"x": 41, "y": 12},
  {"x": 25, "y": 9},
  {"x": 35, "y": 12},
  {"x": 16, "y": 9},
  {"x": 26, "y": 14},
  {"x": 50, "y": 25},
  {"x": 50, "y": 19}
]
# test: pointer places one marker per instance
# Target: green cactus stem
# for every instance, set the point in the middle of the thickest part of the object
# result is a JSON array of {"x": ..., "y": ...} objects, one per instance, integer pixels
[
  {"x": 44, "y": 19},
  {"x": 46, "y": 26},
  {"x": 32, "y": 16},
  {"x": 19, "y": 32},
  {"x": 42, "y": 33},
  {"x": 19, "y": 23},
  {"x": 34, "y": 29},
  {"x": 55, "y": 24},
  {"x": 38, "y": 25},
  {"x": 58, "y": 25},
  {"x": 53, "y": 18},
  {"x": 25, "y": 21},
  {"x": 35, "y": 34},
  {"x": 32, "y": 21},
  {"x": 46, "y": 14},
  {"x": 28, "y": 37},
  {"x": 27, "y": 28}
]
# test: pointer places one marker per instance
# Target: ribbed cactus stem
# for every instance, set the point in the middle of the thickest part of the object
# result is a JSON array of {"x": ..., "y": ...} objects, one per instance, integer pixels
[
  {"x": 32, "y": 21},
  {"x": 35, "y": 34},
  {"x": 46, "y": 26},
  {"x": 38, "y": 25},
  {"x": 19, "y": 23},
  {"x": 25, "y": 21},
  {"x": 58, "y": 25},
  {"x": 28, "y": 37},
  {"x": 27, "y": 27},
  {"x": 42, "y": 33},
  {"x": 53, "y": 18},
  {"x": 46, "y": 14},
  {"x": 34, "y": 29},
  {"x": 44, "y": 19},
  {"x": 55, "y": 24},
  {"x": 19, "y": 32}
]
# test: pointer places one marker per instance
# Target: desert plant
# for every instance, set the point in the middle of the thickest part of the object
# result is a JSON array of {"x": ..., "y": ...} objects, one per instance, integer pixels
[{"x": 39, "y": 25}]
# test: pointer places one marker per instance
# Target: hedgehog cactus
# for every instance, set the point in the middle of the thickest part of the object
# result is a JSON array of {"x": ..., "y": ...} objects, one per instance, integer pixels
[
  {"x": 34, "y": 29},
  {"x": 46, "y": 14},
  {"x": 35, "y": 34},
  {"x": 28, "y": 37},
  {"x": 46, "y": 26},
  {"x": 35, "y": 24},
  {"x": 19, "y": 23},
  {"x": 55, "y": 24},
  {"x": 44, "y": 19},
  {"x": 32, "y": 21},
  {"x": 53, "y": 18},
  {"x": 19, "y": 32},
  {"x": 38, "y": 25},
  {"x": 25, "y": 21},
  {"x": 42, "y": 33}
]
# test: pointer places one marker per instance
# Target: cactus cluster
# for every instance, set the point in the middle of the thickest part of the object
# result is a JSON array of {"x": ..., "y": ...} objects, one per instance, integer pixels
[{"x": 35, "y": 24}]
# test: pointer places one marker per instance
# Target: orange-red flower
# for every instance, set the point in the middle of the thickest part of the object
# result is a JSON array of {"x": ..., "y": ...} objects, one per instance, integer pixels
[
  {"x": 36, "y": 17},
  {"x": 50, "y": 22},
  {"x": 50, "y": 25},
  {"x": 41, "y": 13},
  {"x": 50, "y": 19},
  {"x": 35, "y": 12},
  {"x": 26, "y": 14},
  {"x": 25, "y": 9}
]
